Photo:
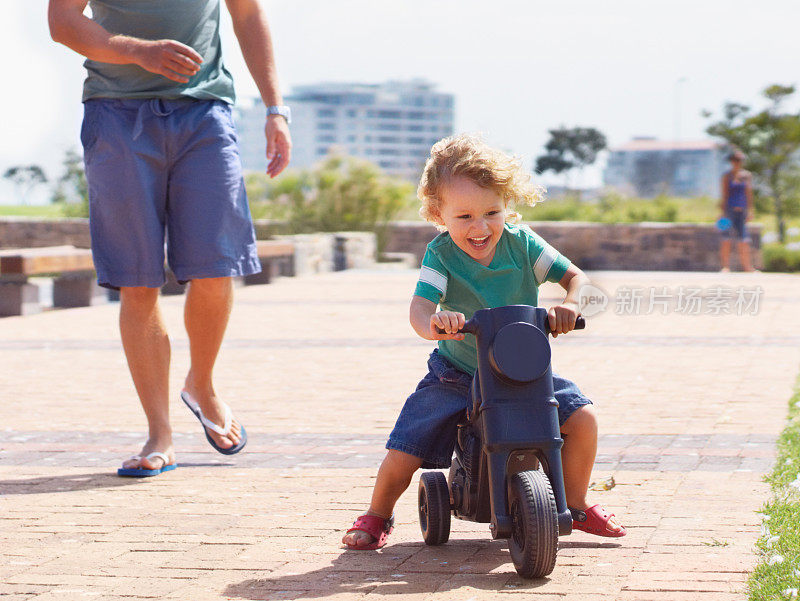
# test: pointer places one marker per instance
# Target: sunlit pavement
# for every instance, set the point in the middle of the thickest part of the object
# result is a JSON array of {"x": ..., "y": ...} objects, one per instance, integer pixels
[{"x": 691, "y": 388}]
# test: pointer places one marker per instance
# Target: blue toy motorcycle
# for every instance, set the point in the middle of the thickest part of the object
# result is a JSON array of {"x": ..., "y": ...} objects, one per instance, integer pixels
[{"x": 507, "y": 469}]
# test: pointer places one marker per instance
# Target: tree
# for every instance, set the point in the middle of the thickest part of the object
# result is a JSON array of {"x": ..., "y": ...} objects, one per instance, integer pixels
[
  {"x": 72, "y": 188},
  {"x": 570, "y": 148},
  {"x": 339, "y": 194},
  {"x": 770, "y": 139},
  {"x": 25, "y": 178}
]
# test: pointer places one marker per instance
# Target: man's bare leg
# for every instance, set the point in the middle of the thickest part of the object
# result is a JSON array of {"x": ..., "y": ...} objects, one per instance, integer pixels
[
  {"x": 146, "y": 344},
  {"x": 206, "y": 313}
]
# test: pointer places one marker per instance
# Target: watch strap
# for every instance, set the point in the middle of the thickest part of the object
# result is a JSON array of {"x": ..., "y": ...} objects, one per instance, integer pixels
[{"x": 282, "y": 110}]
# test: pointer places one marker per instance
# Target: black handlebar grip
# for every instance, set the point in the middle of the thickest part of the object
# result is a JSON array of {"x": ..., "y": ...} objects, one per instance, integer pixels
[
  {"x": 580, "y": 324},
  {"x": 469, "y": 328}
]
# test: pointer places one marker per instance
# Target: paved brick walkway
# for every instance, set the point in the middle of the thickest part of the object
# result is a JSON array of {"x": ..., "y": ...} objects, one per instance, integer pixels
[{"x": 317, "y": 368}]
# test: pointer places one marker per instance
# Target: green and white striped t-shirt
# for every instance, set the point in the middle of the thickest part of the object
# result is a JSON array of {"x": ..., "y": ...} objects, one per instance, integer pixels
[{"x": 457, "y": 282}]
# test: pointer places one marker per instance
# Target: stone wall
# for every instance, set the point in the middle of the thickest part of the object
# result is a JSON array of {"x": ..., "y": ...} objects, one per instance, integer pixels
[
  {"x": 594, "y": 246},
  {"x": 19, "y": 232},
  {"x": 634, "y": 246}
]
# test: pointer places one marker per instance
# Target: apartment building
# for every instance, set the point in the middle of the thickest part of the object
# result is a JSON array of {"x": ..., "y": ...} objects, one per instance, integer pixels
[
  {"x": 647, "y": 167},
  {"x": 392, "y": 124}
]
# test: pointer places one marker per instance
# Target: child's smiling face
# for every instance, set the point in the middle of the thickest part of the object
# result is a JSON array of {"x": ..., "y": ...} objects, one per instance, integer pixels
[{"x": 473, "y": 216}]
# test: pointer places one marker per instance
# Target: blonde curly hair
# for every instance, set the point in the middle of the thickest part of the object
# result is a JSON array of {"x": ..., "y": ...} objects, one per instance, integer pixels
[{"x": 467, "y": 155}]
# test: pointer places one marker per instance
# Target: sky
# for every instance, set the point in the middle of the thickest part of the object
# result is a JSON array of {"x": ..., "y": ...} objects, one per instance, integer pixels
[{"x": 516, "y": 67}]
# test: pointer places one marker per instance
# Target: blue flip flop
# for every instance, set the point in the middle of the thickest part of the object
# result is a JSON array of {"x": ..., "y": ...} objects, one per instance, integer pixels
[
  {"x": 209, "y": 425},
  {"x": 139, "y": 472}
]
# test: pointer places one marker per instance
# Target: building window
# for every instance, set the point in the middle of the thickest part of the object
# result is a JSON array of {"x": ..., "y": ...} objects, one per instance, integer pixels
[
  {"x": 321, "y": 113},
  {"x": 360, "y": 99},
  {"x": 415, "y": 128},
  {"x": 416, "y": 115},
  {"x": 388, "y": 139},
  {"x": 416, "y": 140},
  {"x": 322, "y": 138},
  {"x": 352, "y": 112},
  {"x": 388, "y": 127},
  {"x": 322, "y": 151},
  {"x": 389, "y": 114},
  {"x": 326, "y": 125}
]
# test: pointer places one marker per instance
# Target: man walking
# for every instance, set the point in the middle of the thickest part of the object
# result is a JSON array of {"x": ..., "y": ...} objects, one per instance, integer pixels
[{"x": 162, "y": 164}]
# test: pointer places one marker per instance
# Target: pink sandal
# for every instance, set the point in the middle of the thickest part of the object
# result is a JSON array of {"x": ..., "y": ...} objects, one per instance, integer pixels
[
  {"x": 594, "y": 520},
  {"x": 376, "y": 526}
]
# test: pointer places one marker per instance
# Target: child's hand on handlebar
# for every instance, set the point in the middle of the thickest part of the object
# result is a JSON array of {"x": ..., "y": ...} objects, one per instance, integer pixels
[
  {"x": 562, "y": 318},
  {"x": 445, "y": 325}
]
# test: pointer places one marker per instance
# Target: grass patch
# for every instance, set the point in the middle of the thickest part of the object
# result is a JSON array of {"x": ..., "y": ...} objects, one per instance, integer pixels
[
  {"x": 777, "y": 575},
  {"x": 51, "y": 211}
]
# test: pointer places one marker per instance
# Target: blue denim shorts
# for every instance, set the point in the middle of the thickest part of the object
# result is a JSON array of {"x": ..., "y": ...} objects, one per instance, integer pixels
[
  {"x": 738, "y": 228},
  {"x": 428, "y": 422},
  {"x": 165, "y": 171}
]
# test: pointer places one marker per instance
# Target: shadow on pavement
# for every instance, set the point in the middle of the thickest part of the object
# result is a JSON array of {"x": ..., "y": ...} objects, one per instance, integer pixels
[
  {"x": 586, "y": 545},
  {"x": 64, "y": 483},
  {"x": 369, "y": 572},
  {"x": 207, "y": 464}
]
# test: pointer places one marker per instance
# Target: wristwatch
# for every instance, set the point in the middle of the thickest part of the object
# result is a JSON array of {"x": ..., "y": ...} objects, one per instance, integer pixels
[{"x": 282, "y": 110}]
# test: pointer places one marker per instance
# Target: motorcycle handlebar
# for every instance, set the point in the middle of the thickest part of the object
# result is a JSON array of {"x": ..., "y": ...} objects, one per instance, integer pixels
[{"x": 470, "y": 327}]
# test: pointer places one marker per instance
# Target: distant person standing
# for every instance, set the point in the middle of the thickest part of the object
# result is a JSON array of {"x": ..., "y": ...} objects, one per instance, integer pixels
[
  {"x": 162, "y": 164},
  {"x": 737, "y": 206}
]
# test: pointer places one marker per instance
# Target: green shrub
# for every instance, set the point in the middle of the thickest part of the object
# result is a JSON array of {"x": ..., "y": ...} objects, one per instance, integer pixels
[
  {"x": 72, "y": 210},
  {"x": 562, "y": 210},
  {"x": 340, "y": 194},
  {"x": 777, "y": 257}
]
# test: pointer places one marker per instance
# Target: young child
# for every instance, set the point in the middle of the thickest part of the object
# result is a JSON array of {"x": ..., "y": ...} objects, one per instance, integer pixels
[{"x": 480, "y": 260}]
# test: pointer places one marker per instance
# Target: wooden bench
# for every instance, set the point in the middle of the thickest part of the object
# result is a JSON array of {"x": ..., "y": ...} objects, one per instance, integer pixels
[
  {"x": 277, "y": 259},
  {"x": 73, "y": 286}
]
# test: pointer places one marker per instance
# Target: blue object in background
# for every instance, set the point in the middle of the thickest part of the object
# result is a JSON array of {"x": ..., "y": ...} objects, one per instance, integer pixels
[{"x": 723, "y": 224}]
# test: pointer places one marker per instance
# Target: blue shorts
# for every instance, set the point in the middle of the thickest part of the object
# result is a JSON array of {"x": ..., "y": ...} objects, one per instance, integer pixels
[
  {"x": 738, "y": 228},
  {"x": 428, "y": 423},
  {"x": 165, "y": 171}
]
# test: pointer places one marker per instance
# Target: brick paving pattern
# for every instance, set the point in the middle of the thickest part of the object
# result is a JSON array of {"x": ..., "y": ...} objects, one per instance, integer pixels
[{"x": 317, "y": 369}]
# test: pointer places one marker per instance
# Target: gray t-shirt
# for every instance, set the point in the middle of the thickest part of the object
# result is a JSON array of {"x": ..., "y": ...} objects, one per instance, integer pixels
[{"x": 191, "y": 22}]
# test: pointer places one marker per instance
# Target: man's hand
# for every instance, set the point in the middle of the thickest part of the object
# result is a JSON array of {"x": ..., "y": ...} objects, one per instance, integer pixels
[
  {"x": 562, "y": 318},
  {"x": 449, "y": 321},
  {"x": 279, "y": 144},
  {"x": 169, "y": 58}
]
